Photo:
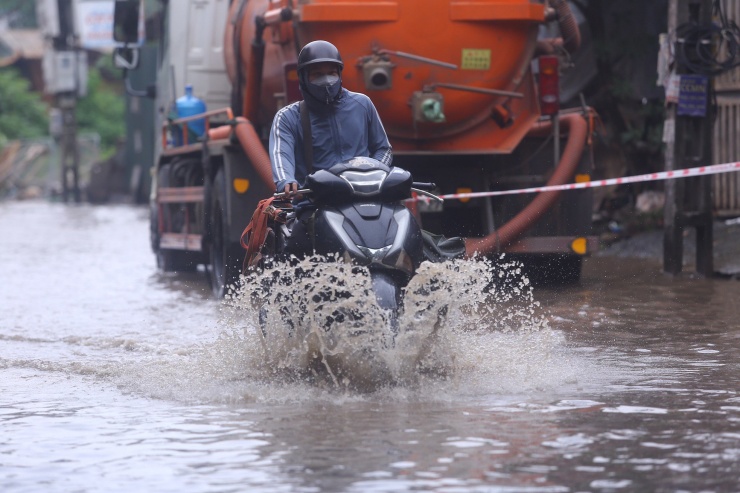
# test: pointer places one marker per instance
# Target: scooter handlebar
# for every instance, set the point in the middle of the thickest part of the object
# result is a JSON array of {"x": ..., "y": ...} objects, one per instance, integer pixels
[
  {"x": 290, "y": 195},
  {"x": 424, "y": 186}
]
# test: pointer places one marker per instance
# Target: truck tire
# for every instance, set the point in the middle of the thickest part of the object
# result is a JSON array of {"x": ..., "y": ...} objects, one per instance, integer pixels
[{"x": 225, "y": 256}]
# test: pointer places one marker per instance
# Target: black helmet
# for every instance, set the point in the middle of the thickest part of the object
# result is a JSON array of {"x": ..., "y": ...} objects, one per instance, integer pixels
[
  {"x": 317, "y": 52},
  {"x": 325, "y": 93}
]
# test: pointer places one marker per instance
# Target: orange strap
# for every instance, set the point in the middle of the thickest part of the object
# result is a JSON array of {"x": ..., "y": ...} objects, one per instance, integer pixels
[{"x": 256, "y": 231}]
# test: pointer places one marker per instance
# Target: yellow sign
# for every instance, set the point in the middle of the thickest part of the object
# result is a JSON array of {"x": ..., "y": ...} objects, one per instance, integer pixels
[
  {"x": 464, "y": 190},
  {"x": 579, "y": 246},
  {"x": 241, "y": 185},
  {"x": 476, "y": 59}
]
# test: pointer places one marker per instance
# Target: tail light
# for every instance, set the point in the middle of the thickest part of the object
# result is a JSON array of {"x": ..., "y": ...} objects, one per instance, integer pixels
[{"x": 549, "y": 85}]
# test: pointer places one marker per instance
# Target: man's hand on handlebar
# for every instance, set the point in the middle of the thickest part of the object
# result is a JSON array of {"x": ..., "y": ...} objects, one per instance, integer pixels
[{"x": 291, "y": 191}]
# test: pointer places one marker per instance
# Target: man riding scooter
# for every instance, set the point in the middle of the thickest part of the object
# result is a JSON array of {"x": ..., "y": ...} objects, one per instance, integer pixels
[{"x": 331, "y": 125}]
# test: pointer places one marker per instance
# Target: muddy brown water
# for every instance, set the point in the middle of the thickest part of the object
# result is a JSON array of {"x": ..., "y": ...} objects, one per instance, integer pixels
[{"x": 114, "y": 377}]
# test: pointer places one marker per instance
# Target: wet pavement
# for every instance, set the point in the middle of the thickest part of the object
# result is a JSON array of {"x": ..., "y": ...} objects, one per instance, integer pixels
[{"x": 114, "y": 377}]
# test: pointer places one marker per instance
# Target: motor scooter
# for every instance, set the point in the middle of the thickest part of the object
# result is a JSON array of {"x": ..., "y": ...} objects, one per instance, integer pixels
[
  {"x": 353, "y": 215},
  {"x": 355, "y": 212}
]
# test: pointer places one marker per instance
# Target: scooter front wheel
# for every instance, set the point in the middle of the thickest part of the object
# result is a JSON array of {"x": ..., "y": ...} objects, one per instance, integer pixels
[{"x": 388, "y": 293}]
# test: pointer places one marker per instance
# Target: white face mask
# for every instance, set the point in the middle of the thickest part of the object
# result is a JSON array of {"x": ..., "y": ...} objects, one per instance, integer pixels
[{"x": 325, "y": 80}]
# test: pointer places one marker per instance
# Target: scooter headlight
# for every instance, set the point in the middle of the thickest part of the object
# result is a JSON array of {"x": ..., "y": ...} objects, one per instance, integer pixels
[{"x": 365, "y": 183}]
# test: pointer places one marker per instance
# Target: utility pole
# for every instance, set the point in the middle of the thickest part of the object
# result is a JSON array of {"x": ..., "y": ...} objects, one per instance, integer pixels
[
  {"x": 65, "y": 77},
  {"x": 70, "y": 155},
  {"x": 688, "y": 137}
]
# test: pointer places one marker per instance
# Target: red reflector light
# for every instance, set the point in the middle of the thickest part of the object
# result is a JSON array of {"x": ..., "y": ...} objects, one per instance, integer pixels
[{"x": 549, "y": 85}]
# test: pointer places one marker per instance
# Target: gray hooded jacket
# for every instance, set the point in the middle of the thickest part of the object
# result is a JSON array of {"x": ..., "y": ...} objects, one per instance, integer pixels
[{"x": 343, "y": 130}]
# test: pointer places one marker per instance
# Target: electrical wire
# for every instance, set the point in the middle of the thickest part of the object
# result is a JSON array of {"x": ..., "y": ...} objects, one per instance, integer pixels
[{"x": 709, "y": 49}]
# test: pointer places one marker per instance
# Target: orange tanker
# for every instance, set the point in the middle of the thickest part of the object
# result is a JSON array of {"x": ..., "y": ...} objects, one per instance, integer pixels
[
  {"x": 472, "y": 57},
  {"x": 457, "y": 90}
]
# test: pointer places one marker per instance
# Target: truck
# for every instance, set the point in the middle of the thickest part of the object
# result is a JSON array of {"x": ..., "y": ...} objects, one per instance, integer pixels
[{"x": 467, "y": 91}]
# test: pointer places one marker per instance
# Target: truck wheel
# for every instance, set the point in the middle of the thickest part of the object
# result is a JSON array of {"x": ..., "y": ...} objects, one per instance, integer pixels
[{"x": 225, "y": 259}]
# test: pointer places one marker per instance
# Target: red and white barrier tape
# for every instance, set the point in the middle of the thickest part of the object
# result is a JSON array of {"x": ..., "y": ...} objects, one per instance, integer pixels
[{"x": 663, "y": 175}]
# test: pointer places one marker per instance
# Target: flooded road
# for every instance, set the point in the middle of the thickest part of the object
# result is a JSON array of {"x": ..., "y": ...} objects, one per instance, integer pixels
[{"x": 114, "y": 377}]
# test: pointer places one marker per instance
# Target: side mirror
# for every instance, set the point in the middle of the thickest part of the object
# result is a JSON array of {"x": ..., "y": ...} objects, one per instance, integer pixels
[
  {"x": 126, "y": 58},
  {"x": 126, "y": 21}
]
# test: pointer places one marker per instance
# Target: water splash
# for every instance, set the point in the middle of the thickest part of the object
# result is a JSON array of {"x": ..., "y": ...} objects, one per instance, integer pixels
[
  {"x": 312, "y": 331},
  {"x": 318, "y": 321}
]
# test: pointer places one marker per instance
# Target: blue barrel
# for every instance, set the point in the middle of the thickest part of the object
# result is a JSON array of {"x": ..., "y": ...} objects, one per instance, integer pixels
[{"x": 189, "y": 105}]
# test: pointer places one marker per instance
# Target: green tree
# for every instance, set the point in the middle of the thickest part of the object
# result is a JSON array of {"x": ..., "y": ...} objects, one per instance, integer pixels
[
  {"x": 24, "y": 114},
  {"x": 102, "y": 110}
]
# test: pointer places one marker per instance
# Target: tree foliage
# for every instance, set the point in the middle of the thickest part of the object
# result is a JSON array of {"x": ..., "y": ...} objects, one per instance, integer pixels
[
  {"x": 102, "y": 110},
  {"x": 24, "y": 114}
]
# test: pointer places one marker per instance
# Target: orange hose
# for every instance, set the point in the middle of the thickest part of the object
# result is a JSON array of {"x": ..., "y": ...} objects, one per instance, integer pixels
[
  {"x": 254, "y": 150},
  {"x": 219, "y": 133},
  {"x": 251, "y": 144},
  {"x": 568, "y": 25},
  {"x": 571, "y": 33},
  {"x": 519, "y": 224}
]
